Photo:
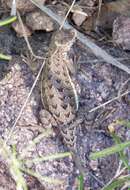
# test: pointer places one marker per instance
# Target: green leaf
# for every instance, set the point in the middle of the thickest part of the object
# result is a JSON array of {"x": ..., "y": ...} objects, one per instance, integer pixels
[
  {"x": 50, "y": 157},
  {"x": 81, "y": 180},
  {"x": 8, "y": 20},
  {"x": 5, "y": 57},
  {"x": 109, "y": 151},
  {"x": 123, "y": 157},
  {"x": 116, "y": 183}
]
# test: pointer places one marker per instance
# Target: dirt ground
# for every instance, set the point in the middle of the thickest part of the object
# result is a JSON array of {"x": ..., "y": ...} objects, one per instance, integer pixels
[{"x": 98, "y": 83}]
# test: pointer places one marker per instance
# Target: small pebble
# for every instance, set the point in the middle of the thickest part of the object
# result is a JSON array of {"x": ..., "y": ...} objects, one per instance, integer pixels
[{"x": 121, "y": 32}]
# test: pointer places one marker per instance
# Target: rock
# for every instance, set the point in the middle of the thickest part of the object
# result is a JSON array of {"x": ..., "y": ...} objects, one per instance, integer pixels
[
  {"x": 18, "y": 29},
  {"x": 37, "y": 20},
  {"x": 88, "y": 3},
  {"x": 6, "y": 181},
  {"x": 121, "y": 32},
  {"x": 111, "y": 10},
  {"x": 89, "y": 24},
  {"x": 23, "y": 6},
  {"x": 59, "y": 9},
  {"x": 79, "y": 17},
  {"x": 87, "y": 15}
]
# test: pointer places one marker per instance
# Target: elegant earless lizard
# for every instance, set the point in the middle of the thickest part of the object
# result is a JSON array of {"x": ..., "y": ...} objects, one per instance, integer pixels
[{"x": 57, "y": 88}]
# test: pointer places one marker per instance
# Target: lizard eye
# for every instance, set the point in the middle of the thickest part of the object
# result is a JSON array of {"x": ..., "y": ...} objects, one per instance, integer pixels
[
  {"x": 61, "y": 89},
  {"x": 58, "y": 80}
]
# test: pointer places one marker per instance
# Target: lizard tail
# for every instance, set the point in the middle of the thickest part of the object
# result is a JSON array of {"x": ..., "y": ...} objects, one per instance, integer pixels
[
  {"x": 69, "y": 139},
  {"x": 78, "y": 163}
]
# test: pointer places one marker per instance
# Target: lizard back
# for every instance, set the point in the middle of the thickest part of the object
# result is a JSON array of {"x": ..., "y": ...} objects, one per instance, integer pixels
[
  {"x": 56, "y": 88},
  {"x": 57, "y": 92}
]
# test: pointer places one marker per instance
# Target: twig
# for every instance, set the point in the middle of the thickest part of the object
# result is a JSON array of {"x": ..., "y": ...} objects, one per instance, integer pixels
[
  {"x": 75, "y": 10},
  {"x": 122, "y": 86},
  {"x": 99, "y": 60},
  {"x": 99, "y": 11},
  {"x": 70, "y": 8},
  {"x": 13, "y": 8},
  {"x": 109, "y": 101},
  {"x": 26, "y": 38},
  {"x": 74, "y": 90},
  {"x": 86, "y": 41}
]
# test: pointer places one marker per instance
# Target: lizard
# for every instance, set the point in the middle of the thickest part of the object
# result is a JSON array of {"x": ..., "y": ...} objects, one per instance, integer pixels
[{"x": 57, "y": 91}]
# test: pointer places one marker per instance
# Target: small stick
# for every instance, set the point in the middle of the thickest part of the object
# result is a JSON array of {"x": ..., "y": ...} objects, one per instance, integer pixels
[
  {"x": 109, "y": 101},
  {"x": 26, "y": 38},
  {"x": 62, "y": 24},
  {"x": 24, "y": 105}
]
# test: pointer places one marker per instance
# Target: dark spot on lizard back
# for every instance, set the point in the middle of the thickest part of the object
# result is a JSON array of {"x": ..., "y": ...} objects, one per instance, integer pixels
[
  {"x": 57, "y": 114},
  {"x": 49, "y": 77},
  {"x": 62, "y": 98},
  {"x": 67, "y": 82},
  {"x": 57, "y": 64},
  {"x": 64, "y": 73},
  {"x": 54, "y": 106},
  {"x": 51, "y": 96},
  {"x": 67, "y": 114},
  {"x": 64, "y": 106}
]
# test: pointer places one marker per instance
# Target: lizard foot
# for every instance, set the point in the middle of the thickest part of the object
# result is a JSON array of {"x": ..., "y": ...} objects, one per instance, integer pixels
[{"x": 46, "y": 119}]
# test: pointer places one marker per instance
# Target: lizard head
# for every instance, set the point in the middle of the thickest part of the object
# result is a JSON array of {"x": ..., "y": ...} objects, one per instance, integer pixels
[{"x": 64, "y": 37}]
